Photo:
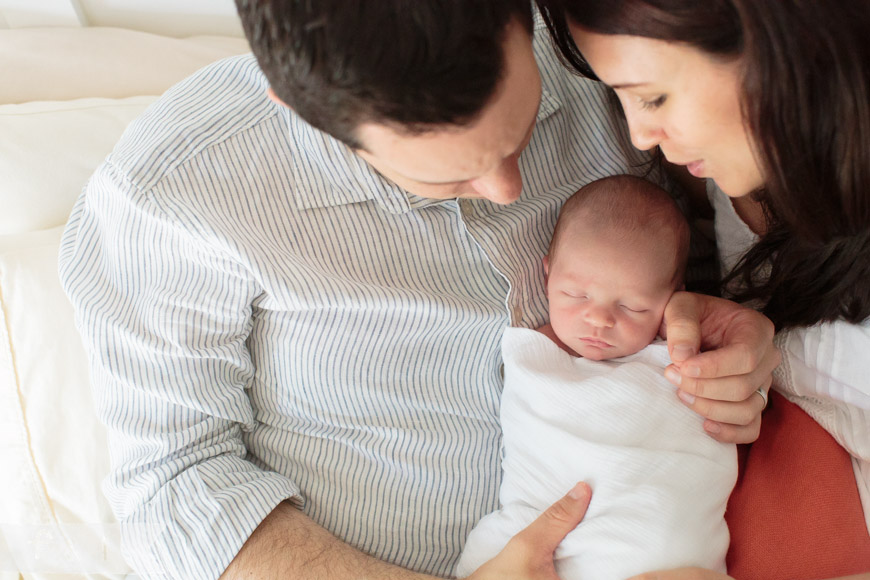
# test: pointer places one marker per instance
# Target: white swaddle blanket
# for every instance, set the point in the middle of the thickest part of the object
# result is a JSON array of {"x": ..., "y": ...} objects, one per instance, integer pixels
[{"x": 659, "y": 483}]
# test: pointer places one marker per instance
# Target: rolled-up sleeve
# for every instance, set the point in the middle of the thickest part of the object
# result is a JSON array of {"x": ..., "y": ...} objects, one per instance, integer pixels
[{"x": 165, "y": 316}]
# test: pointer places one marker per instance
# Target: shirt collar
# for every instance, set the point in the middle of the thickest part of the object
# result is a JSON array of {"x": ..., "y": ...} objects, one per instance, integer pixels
[{"x": 328, "y": 173}]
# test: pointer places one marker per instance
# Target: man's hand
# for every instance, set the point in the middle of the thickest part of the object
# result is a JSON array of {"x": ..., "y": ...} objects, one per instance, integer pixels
[
  {"x": 702, "y": 574},
  {"x": 529, "y": 554},
  {"x": 722, "y": 354},
  {"x": 682, "y": 574}
]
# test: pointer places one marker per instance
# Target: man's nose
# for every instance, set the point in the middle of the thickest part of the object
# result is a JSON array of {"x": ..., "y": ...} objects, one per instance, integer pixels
[{"x": 502, "y": 185}]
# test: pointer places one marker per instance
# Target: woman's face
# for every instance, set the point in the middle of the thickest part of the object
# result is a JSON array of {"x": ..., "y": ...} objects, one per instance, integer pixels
[{"x": 680, "y": 99}]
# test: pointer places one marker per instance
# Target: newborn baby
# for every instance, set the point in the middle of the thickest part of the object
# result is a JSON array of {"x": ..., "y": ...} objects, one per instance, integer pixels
[{"x": 585, "y": 399}]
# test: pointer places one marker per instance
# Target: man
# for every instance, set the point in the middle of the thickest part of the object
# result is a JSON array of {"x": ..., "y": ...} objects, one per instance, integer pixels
[{"x": 297, "y": 302}]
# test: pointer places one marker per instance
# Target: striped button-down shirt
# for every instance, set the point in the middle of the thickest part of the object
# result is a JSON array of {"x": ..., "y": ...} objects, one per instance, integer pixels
[{"x": 268, "y": 318}]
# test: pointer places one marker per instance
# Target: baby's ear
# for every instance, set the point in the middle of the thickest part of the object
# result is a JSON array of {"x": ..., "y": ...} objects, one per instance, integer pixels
[{"x": 546, "y": 261}]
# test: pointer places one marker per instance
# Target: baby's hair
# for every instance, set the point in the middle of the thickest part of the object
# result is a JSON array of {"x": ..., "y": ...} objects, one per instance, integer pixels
[{"x": 626, "y": 206}]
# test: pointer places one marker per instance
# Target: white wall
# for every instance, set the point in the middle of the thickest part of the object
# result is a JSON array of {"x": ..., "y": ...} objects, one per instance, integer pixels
[{"x": 168, "y": 17}]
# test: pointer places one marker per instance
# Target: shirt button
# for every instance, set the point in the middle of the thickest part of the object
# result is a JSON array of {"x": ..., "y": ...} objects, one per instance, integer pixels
[{"x": 517, "y": 313}]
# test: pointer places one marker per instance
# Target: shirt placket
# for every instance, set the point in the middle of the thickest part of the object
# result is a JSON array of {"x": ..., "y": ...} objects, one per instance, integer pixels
[{"x": 496, "y": 245}]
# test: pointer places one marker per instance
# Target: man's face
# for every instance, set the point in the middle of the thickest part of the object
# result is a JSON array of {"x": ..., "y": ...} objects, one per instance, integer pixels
[
  {"x": 479, "y": 160},
  {"x": 607, "y": 292}
]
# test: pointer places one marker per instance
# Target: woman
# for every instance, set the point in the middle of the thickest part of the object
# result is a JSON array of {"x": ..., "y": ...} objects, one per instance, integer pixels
[{"x": 769, "y": 99}]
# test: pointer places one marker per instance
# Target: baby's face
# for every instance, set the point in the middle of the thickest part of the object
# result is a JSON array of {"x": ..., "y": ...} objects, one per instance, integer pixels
[{"x": 607, "y": 297}]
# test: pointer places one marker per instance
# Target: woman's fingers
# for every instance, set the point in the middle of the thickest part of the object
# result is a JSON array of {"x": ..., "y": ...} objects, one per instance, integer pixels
[
  {"x": 704, "y": 375},
  {"x": 735, "y": 413},
  {"x": 721, "y": 383},
  {"x": 730, "y": 421},
  {"x": 737, "y": 340},
  {"x": 732, "y": 388},
  {"x": 728, "y": 433}
]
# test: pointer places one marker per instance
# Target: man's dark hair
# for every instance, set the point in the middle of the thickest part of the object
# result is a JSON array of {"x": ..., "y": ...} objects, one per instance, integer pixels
[{"x": 412, "y": 64}]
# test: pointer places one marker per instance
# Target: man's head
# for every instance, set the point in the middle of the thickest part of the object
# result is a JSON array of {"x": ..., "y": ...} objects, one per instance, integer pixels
[
  {"x": 434, "y": 94},
  {"x": 618, "y": 253}
]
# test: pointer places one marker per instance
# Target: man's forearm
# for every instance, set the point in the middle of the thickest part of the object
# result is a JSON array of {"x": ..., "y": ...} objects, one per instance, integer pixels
[{"x": 287, "y": 544}]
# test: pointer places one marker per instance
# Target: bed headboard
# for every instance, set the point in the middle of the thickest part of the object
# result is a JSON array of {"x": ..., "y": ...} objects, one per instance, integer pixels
[{"x": 164, "y": 17}]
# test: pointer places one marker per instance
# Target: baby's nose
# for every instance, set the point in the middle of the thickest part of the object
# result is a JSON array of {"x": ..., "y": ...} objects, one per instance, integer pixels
[{"x": 600, "y": 317}]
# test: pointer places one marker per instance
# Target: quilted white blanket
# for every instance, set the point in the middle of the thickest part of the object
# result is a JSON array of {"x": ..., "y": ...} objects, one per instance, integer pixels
[{"x": 660, "y": 484}]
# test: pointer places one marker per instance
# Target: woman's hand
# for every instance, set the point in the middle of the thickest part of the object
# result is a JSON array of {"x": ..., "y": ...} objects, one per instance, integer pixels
[
  {"x": 529, "y": 554},
  {"x": 722, "y": 354},
  {"x": 682, "y": 574}
]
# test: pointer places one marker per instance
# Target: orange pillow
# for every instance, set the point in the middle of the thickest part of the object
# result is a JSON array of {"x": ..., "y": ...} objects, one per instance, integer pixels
[{"x": 795, "y": 513}]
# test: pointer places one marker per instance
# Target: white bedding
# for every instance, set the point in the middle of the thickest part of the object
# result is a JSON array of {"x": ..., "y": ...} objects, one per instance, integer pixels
[
  {"x": 67, "y": 96},
  {"x": 660, "y": 484}
]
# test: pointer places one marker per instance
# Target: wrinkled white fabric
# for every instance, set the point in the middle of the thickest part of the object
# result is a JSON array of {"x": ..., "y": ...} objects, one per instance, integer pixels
[{"x": 660, "y": 484}]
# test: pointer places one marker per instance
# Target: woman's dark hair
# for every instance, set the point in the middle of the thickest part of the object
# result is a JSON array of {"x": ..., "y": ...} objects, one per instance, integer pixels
[
  {"x": 410, "y": 63},
  {"x": 806, "y": 101}
]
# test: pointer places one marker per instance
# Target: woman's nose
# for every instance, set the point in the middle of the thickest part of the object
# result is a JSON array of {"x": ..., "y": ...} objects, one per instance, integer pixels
[{"x": 646, "y": 133}]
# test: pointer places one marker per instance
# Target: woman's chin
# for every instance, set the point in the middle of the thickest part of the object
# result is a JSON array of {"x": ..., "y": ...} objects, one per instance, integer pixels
[{"x": 737, "y": 187}]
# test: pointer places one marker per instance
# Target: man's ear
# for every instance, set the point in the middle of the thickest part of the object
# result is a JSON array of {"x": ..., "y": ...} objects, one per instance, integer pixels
[{"x": 275, "y": 98}]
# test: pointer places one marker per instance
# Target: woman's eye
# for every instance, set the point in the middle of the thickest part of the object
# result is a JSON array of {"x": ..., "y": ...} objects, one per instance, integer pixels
[{"x": 653, "y": 104}]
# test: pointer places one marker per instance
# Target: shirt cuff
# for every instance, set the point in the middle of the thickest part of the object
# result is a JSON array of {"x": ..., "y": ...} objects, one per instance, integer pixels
[{"x": 195, "y": 525}]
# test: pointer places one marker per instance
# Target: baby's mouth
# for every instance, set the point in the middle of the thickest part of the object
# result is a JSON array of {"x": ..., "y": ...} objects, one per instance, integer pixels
[{"x": 596, "y": 342}]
